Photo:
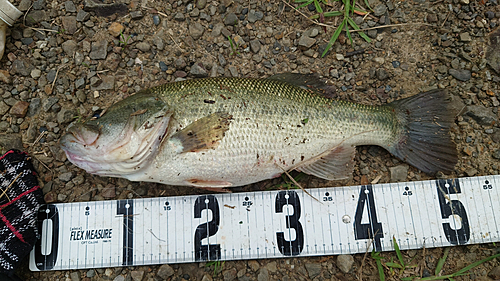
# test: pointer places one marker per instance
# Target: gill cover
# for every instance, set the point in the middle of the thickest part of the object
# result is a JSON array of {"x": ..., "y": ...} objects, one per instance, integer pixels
[{"x": 123, "y": 141}]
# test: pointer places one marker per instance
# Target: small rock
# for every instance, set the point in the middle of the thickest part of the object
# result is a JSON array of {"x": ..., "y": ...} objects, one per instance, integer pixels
[
  {"x": 165, "y": 271},
  {"x": 495, "y": 273},
  {"x": 231, "y": 19},
  {"x": 263, "y": 275},
  {"x": 179, "y": 17},
  {"x": 156, "y": 19},
  {"x": 82, "y": 16},
  {"x": 230, "y": 274},
  {"x": 70, "y": 6},
  {"x": 36, "y": 73},
  {"x": 180, "y": 63},
  {"x": 5, "y": 76},
  {"x": 255, "y": 45},
  {"x": 115, "y": 29},
  {"x": 313, "y": 269},
  {"x": 11, "y": 141},
  {"x": 69, "y": 47},
  {"x": 482, "y": 115},
  {"x": 399, "y": 173},
  {"x": 69, "y": 24},
  {"x": 196, "y": 30},
  {"x": 470, "y": 171},
  {"x": 19, "y": 109},
  {"x": 496, "y": 154},
  {"x": 460, "y": 74},
  {"x": 379, "y": 10},
  {"x": 306, "y": 42},
  {"x": 48, "y": 103},
  {"x": 136, "y": 15},
  {"x": 65, "y": 177},
  {"x": 109, "y": 192},
  {"x": 254, "y": 265},
  {"x": 379, "y": 60},
  {"x": 119, "y": 278},
  {"x": 432, "y": 18},
  {"x": 143, "y": 46},
  {"x": 254, "y": 16},
  {"x": 99, "y": 50},
  {"x": 75, "y": 276},
  {"x": 198, "y": 70},
  {"x": 272, "y": 266},
  {"x": 345, "y": 262},
  {"x": 107, "y": 83},
  {"x": 163, "y": 66},
  {"x": 65, "y": 115},
  {"x": 22, "y": 67},
  {"x": 465, "y": 37},
  {"x": 382, "y": 74},
  {"x": 137, "y": 275},
  {"x": 3, "y": 107},
  {"x": 91, "y": 273}
]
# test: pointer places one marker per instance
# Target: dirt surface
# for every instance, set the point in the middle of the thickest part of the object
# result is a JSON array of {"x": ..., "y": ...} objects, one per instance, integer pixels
[{"x": 67, "y": 60}]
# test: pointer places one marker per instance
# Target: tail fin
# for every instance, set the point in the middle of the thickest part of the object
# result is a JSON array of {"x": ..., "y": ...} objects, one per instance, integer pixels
[{"x": 425, "y": 141}]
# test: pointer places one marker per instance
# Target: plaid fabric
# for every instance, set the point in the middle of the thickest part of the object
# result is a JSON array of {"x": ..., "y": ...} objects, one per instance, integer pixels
[{"x": 20, "y": 198}]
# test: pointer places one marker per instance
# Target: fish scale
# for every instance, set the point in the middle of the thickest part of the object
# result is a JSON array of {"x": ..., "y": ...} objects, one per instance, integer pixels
[{"x": 234, "y": 131}]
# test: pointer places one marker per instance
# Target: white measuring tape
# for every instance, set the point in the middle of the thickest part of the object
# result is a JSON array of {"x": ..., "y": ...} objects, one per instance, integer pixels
[{"x": 268, "y": 224}]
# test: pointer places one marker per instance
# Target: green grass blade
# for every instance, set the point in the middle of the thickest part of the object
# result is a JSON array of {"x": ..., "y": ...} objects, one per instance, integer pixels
[
  {"x": 398, "y": 252},
  {"x": 441, "y": 261},
  {"x": 347, "y": 8},
  {"x": 332, "y": 14},
  {"x": 348, "y": 33},
  {"x": 376, "y": 256},
  {"x": 302, "y": 1},
  {"x": 470, "y": 266},
  {"x": 368, "y": 5},
  {"x": 356, "y": 27},
  {"x": 334, "y": 38},
  {"x": 318, "y": 7},
  {"x": 408, "y": 278},
  {"x": 393, "y": 264}
]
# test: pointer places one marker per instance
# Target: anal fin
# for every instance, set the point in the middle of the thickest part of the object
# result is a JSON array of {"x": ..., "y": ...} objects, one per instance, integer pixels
[
  {"x": 204, "y": 133},
  {"x": 336, "y": 164}
]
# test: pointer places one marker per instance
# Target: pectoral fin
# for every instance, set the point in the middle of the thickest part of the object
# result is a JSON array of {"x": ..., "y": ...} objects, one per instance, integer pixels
[
  {"x": 336, "y": 164},
  {"x": 204, "y": 133}
]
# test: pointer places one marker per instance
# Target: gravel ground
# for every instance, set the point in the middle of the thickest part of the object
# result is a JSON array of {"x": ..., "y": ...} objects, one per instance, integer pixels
[{"x": 66, "y": 60}]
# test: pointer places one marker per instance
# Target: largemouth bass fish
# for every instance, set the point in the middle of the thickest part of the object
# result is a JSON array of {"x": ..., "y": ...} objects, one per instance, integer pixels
[{"x": 223, "y": 132}]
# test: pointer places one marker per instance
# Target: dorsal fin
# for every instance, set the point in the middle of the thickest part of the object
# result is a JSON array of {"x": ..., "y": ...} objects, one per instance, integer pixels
[
  {"x": 310, "y": 82},
  {"x": 336, "y": 164}
]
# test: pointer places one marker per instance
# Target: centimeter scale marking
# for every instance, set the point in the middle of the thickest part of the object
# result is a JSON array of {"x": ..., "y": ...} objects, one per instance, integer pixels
[{"x": 268, "y": 224}]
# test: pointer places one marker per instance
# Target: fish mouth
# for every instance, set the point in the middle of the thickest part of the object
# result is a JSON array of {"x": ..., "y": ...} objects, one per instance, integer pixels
[{"x": 120, "y": 155}]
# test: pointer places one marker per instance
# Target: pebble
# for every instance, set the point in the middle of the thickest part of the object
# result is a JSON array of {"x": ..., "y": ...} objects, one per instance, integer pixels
[
  {"x": 107, "y": 83},
  {"x": 65, "y": 177},
  {"x": 156, "y": 19},
  {"x": 90, "y": 273},
  {"x": 137, "y": 275},
  {"x": 115, "y": 29},
  {"x": 179, "y": 17},
  {"x": 69, "y": 47},
  {"x": 254, "y": 16},
  {"x": 65, "y": 115},
  {"x": 5, "y": 76},
  {"x": 163, "y": 66},
  {"x": 198, "y": 70},
  {"x": 382, "y": 74},
  {"x": 470, "y": 171},
  {"x": 263, "y": 275},
  {"x": 496, "y": 154},
  {"x": 69, "y": 24},
  {"x": 379, "y": 10},
  {"x": 99, "y": 50},
  {"x": 230, "y": 274},
  {"x": 231, "y": 19},
  {"x": 22, "y": 67},
  {"x": 396, "y": 64},
  {"x": 399, "y": 173},
  {"x": 75, "y": 276},
  {"x": 11, "y": 141},
  {"x": 119, "y": 278},
  {"x": 201, "y": 4},
  {"x": 465, "y": 37},
  {"x": 19, "y": 109},
  {"x": 70, "y": 6},
  {"x": 460, "y": 74},
  {"x": 313, "y": 269},
  {"x": 36, "y": 73},
  {"x": 82, "y": 16},
  {"x": 48, "y": 103},
  {"x": 482, "y": 115},
  {"x": 306, "y": 42},
  {"x": 255, "y": 45},
  {"x": 345, "y": 262},
  {"x": 379, "y": 60},
  {"x": 165, "y": 271},
  {"x": 196, "y": 30},
  {"x": 136, "y": 15},
  {"x": 143, "y": 46}
]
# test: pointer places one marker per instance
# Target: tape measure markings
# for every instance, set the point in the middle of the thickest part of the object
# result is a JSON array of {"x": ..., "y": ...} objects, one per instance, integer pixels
[{"x": 267, "y": 224}]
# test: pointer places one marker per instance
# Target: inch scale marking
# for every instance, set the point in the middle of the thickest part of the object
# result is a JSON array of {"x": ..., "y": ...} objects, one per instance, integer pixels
[{"x": 268, "y": 224}]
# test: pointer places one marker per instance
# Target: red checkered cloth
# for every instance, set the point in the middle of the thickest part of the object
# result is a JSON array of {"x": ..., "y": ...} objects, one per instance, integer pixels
[{"x": 20, "y": 198}]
